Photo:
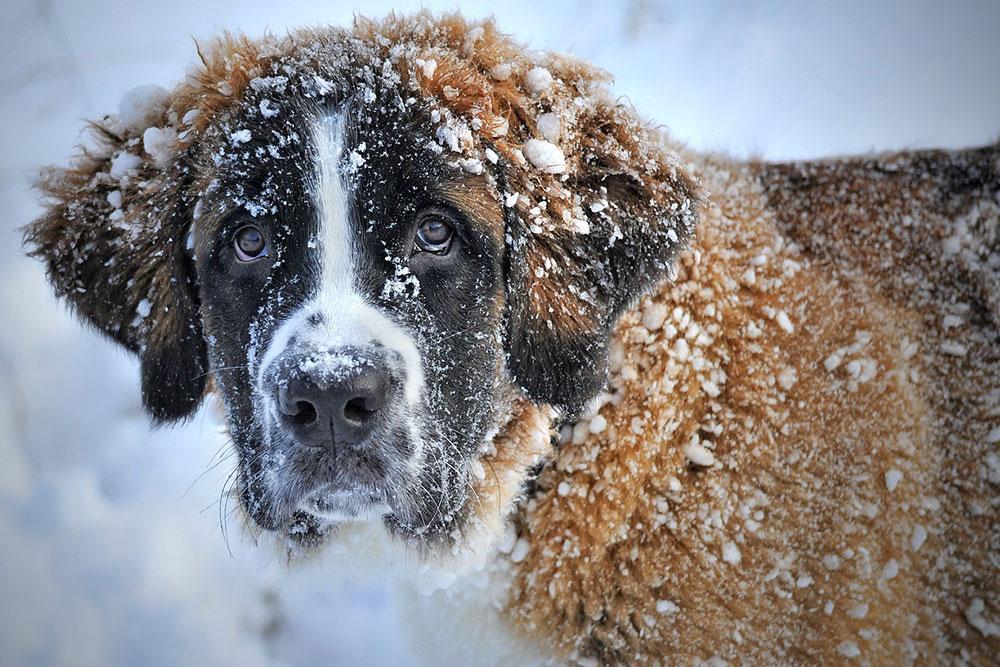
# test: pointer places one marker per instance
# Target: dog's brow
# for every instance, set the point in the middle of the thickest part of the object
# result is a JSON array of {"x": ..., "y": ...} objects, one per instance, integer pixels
[{"x": 474, "y": 197}]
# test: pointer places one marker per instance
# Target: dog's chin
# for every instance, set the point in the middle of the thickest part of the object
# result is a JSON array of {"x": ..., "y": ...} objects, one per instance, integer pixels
[
  {"x": 323, "y": 503},
  {"x": 336, "y": 504}
]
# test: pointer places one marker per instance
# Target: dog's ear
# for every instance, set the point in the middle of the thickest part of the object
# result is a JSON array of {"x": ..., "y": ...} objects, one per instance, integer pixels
[
  {"x": 113, "y": 239},
  {"x": 586, "y": 244}
]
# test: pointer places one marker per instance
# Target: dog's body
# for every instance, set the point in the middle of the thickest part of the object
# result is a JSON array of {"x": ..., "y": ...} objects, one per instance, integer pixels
[
  {"x": 799, "y": 464},
  {"x": 794, "y": 460}
]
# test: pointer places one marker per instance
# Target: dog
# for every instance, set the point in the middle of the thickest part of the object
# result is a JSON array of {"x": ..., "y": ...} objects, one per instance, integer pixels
[{"x": 676, "y": 407}]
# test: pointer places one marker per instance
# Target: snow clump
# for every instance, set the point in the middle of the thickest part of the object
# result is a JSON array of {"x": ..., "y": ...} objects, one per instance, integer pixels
[
  {"x": 142, "y": 107},
  {"x": 160, "y": 144},
  {"x": 545, "y": 156},
  {"x": 123, "y": 166},
  {"x": 550, "y": 127},
  {"x": 538, "y": 80}
]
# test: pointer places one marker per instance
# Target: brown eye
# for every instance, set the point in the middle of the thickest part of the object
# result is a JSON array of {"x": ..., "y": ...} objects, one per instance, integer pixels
[
  {"x": 250, "y": 243},
  {"x": 434, "y": 235}
]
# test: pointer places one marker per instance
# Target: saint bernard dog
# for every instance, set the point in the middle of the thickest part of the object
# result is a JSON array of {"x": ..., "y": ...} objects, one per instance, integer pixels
[{"x": 672, "y": 407}]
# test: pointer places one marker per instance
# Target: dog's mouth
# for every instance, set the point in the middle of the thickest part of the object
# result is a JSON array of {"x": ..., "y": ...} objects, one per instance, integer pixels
[{"x": 286, "y": 485}]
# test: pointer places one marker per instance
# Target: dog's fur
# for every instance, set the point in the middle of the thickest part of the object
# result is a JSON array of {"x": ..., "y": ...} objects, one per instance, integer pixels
[{"x": 794, "y": 459}]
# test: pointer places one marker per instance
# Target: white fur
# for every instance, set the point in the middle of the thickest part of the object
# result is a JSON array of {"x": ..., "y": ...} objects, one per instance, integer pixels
[
  {"x": 471, "y": 608},
  {"x": 348, "y": 318}
]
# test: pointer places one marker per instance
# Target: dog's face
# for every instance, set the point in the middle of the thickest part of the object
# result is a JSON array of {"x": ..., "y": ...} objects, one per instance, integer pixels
[
  {"x": 351, "y": 283},
  {"x": 353, "y": 245}
]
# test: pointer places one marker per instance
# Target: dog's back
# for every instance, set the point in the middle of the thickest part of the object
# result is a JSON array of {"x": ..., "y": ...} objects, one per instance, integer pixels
[
  {"x": 799, "y": 462},
  {"x": 922, "y": 230}
]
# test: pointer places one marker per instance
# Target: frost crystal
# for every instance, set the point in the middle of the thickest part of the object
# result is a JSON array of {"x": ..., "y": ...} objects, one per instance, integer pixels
[
  {"x": 653, "y": 316},
  {"x": 501, "y": 72},
  {"x": 427, "y": 67},
  {"x": 974, "y": 615},
  {"x": 784, "y": 322},
  {"x": 858, "y": 612},
  {"x": 699, "y": 455},
  {"x": 666, "y": 607},
  {"x": 892, "y": 478},
  {"x": 268, "y": 109},
  {"x": 115, "y": 198},
  {"x": 598, "y": 424},
  {"x": 471, "y": 165},
  {"x": 918, "y": 538},
  {"x": 848, "y": 649},
  {"x": 520, "y": 550},
  {"x": 954, "y": 348},
  {"x": 240, "y": 137}
]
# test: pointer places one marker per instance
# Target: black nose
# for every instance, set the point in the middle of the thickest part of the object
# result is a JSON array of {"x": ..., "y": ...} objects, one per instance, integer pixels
[{"x": 337, "y": 405}]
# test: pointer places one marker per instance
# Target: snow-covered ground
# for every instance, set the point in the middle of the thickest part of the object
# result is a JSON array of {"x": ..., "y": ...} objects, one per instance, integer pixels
[{"x": 111, "y": 551}]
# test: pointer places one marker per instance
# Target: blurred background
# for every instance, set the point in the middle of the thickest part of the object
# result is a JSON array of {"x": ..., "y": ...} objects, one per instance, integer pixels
[{"x": 111, "y": 551}]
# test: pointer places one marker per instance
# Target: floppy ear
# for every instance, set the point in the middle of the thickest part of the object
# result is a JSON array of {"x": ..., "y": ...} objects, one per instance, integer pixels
[
  {"x": 623, "y": 215},
  {"x": 566, "y": 289},
  {"x": 113, "y": 239}
]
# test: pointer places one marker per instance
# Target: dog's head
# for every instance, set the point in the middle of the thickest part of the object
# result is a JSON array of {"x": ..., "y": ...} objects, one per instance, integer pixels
[{"x": 378, "y": 246}]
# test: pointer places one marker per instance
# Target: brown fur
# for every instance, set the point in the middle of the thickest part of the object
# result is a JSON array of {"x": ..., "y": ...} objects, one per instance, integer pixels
[
  {"x": 808, "y": 450},
  {"x": 474, "y": 197}
]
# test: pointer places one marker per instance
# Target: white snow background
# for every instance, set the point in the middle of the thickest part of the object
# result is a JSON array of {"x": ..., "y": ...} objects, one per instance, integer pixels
[{"x": 110, "y": 546}]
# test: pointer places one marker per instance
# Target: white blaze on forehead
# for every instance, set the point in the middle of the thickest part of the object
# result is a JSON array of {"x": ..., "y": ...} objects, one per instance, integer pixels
[
  {"x": 333, "y": 202},
  {"x": 345, "y": 316}
]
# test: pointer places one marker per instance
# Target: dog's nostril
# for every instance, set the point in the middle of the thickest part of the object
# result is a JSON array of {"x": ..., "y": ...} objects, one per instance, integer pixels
[
  {"x": 305, "y": 413},
  {"x": 359, "y": 410}
]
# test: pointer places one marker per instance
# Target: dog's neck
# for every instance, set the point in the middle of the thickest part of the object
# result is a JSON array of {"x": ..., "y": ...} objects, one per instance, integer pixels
[{"x": 522, "y": 442}]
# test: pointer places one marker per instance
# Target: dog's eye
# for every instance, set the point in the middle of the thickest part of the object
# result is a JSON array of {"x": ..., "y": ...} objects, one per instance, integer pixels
[
  {"x": 250, "y": 243},
  {"x": 433, "y": 235}
]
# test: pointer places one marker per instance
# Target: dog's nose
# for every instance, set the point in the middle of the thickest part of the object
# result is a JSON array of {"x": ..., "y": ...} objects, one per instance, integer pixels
[{"x": 328, "y": 406}]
